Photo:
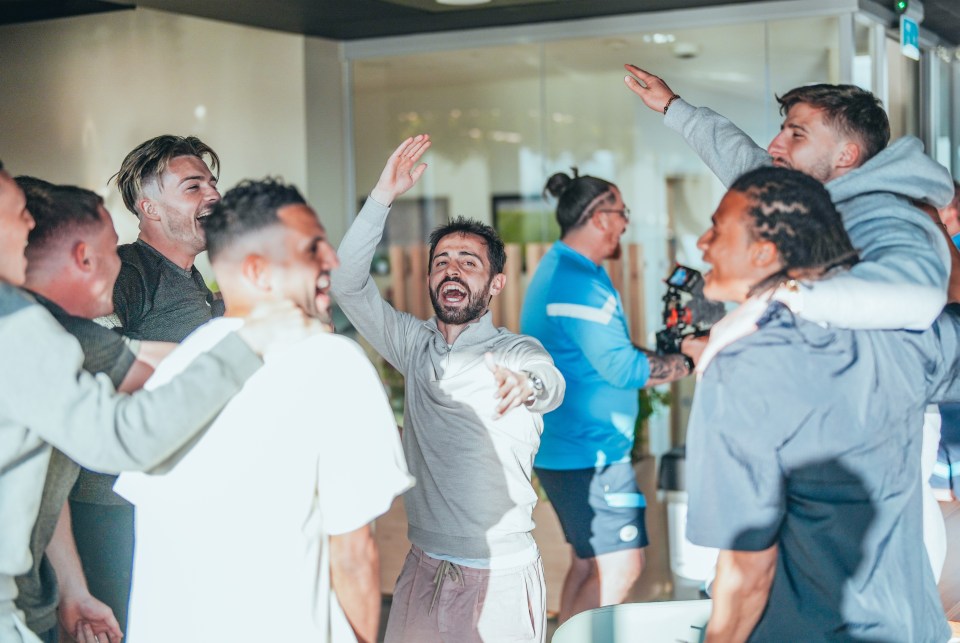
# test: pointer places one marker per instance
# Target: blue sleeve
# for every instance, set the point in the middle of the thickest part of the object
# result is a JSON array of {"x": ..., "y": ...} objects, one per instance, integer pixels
[{"x": 595, "y": 323}]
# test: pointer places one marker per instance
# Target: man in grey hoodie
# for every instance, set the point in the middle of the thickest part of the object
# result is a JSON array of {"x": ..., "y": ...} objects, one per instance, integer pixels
[
  {"x": 475, "y": 395},
  {"x": 838, "y": 134}
]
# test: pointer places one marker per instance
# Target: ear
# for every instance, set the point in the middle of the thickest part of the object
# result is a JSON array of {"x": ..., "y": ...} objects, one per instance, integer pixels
[
  {"x": 148, "y": 208},
  {"x": 256, "y": 271},
  {"x": 598, "y": 222},
  {"x": 849, "y": 156},
  {"x": 497, "y": 284},
  {"x": 764, "y": 254},
  {"x": 81, "y": 256}
]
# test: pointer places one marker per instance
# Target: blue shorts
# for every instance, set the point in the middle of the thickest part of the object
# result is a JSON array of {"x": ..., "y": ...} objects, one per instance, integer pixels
[{"x": 601, "y": 509}]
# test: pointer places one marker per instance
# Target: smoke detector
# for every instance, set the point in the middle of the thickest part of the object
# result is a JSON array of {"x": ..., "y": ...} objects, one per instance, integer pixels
[{"x": 686, "y": 50}]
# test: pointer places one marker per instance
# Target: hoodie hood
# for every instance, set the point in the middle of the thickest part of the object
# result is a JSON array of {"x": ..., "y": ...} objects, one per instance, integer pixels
[{"x": 901, "y": 169}]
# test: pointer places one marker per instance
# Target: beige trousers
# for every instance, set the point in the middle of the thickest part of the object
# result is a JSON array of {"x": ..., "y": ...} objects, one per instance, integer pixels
[{"x": 438, "y": 601}]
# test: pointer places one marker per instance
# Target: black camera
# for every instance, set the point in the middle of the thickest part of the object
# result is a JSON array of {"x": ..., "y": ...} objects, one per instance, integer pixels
[{"x": 685, "y": 310}]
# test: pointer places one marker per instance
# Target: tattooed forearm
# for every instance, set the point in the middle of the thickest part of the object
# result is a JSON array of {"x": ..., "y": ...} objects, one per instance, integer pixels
[{"x": 666, "y": 368}]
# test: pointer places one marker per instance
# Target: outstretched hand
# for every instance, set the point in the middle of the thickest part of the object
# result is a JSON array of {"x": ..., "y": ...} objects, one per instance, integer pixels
[
  {"x": 401, "y": 172},
  {"x": 651, "y": 89},
  {"x": 513, "y": 388}
]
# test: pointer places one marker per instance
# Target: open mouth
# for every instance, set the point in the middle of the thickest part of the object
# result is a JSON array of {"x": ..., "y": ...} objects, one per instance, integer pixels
[
  {"x": 452, "y": 293},
  {"x": 321, "y": 295},
  {"x": 323, "y": 284}
]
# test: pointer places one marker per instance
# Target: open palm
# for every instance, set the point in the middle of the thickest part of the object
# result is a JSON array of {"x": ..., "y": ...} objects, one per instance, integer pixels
[{"x": 401, "y": 171}]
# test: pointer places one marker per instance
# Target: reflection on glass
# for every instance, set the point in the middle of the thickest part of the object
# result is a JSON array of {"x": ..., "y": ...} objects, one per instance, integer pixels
[{"x": 504, "y": 118}]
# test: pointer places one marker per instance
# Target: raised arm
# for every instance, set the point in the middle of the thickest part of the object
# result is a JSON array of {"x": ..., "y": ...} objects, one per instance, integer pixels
[
  {"x": 900, "y": 282},
  {"x": 723, "y": 146},
  {"x": 353, "y": 288}
]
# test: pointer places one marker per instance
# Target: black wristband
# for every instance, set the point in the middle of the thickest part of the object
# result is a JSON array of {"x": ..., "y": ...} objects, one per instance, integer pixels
[{"x": 670, "y": 102}]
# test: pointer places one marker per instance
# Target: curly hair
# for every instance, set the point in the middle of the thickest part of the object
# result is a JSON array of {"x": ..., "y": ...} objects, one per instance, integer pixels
[
  {"x": 149, "y": 160},
  {"x": 794, "y": 212},
  {"x": 496, "y": 254},
  {"x": 851, "y": 111},
  {"x": 249, "y": 207},
  {"x": 578, "y": 198},
  {"x": 56, "y": 209}
]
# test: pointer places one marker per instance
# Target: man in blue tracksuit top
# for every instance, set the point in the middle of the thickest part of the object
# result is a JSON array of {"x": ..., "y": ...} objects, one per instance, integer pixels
[{"x": 584, "y": 458}]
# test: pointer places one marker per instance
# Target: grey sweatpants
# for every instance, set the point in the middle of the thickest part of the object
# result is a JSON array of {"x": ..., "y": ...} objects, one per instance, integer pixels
[{"x": 439, "y": 602}]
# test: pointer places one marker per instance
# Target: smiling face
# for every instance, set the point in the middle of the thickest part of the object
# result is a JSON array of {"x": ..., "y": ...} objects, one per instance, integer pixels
[
  {"x": 460, "y": 281},
  {"x": 102, "y": 248},
  {"x": 15, "y": 226},
  {"x": 806, "y": 143},
  {"x": 737, "y": 258},
  {"x": 187, "y": 192},
  {"x": 302, "y": 261}
]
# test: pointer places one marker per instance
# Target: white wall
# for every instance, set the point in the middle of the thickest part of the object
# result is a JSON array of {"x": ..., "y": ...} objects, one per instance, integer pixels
[
  {"x": 329, "y": 179},
  {"x": 79, "y": 93}
]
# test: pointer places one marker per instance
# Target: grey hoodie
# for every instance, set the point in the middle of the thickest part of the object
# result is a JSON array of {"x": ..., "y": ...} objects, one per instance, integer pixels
[
  {"x": 473, "y": 497},
  {"x": 901, "y": 281},
  {"x": 47, "y": 399}
]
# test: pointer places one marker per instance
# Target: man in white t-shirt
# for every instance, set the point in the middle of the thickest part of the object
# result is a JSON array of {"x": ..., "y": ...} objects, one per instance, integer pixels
[{"x": 260, "y": 530}]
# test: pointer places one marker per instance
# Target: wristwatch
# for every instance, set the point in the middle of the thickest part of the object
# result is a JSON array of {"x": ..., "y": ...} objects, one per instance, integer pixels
[
  {"x": 688, "y": 361},
  {"x": 536, "y": 384}
]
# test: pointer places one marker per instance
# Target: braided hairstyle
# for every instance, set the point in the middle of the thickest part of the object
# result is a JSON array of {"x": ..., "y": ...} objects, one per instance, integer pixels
[
  {"x": 794, "y": 212},
  {"x": 579, "y": 196}
]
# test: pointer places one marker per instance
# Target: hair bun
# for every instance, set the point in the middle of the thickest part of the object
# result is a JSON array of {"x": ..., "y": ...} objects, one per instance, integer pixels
[{"x": 557, "y": 184}]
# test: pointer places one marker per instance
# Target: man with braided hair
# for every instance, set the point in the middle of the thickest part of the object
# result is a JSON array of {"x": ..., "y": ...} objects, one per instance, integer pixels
[{"x": 804, "y": 460}]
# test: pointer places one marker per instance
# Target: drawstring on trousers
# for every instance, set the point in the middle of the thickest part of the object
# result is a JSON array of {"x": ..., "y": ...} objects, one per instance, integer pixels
[{"x": 445, "y": 569}]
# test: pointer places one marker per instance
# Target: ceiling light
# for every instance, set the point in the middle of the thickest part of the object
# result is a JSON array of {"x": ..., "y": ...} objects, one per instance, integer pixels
[
  {"x": 659, "y": 38},
  {"x": 462, "y": 2}
]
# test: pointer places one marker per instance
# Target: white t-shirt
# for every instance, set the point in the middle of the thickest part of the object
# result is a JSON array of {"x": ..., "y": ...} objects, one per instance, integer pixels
[{"x": 232, "y": 541}]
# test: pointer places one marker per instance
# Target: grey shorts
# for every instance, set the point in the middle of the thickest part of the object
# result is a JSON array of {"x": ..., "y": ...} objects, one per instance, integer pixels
[
  {"x": 466, "y": 605},
  {"x": 601, "y": 509}
]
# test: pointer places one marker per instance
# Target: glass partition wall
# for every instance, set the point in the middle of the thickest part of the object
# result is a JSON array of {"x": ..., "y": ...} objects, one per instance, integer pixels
[{"x": 504, "y": 117}]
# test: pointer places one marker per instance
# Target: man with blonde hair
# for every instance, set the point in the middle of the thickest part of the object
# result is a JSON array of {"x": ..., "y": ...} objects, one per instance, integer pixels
[
  {"x": 160, "y": 295},
  {"x": 47, "y": 400},
  {"x": 170, "y": 183}
]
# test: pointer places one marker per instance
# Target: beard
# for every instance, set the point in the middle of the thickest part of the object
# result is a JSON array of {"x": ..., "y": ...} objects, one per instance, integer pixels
[
  {"x": 616, "y": 253},
  {"x": 476, "y": 304}
]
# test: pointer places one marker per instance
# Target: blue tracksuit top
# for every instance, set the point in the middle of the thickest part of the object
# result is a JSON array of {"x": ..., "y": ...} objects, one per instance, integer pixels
[{"x": 573, "y": 309}]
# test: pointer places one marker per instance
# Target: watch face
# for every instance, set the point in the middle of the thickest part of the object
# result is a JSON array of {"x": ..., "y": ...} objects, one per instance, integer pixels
[{"x": 535, "y": 382}]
